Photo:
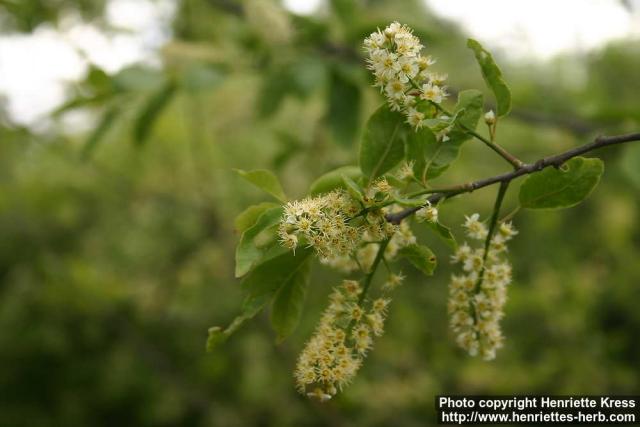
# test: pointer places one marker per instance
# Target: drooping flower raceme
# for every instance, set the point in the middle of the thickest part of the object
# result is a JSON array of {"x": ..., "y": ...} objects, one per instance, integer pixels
[
  {"x": 404, "y": 75},
  {"x": 333, "y": 355},
  {"x": 478, "y": 295}
]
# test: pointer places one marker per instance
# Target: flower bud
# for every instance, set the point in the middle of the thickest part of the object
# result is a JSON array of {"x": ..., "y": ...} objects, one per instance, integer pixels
[{"x": 490, "y": 118}]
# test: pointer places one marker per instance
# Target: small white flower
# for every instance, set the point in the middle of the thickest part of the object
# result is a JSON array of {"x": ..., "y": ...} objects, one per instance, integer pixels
[
  {"x": 507, "y": 230},
  {"x": 406, "y": 69},
  {"x": 395, "y": 89},
  {"x": 415, "y": 118},
  {"x": 375, "y": 41},
  {"x": 437, "y": 78},
  {"x": 475, "y": 228},
  {"x": 490, "y": 117},
  {"x": 432, "y": 93},
  {"x": 427, "y": 213},
  {"x": 383, "y": 64},
  {"x": 407, "y": 44},
  {"x": 405, "y": 171},
  {"x": 424, "y": 62},
  {"x": 392, "y": 29},
  {"x": 461, "y": 254}
]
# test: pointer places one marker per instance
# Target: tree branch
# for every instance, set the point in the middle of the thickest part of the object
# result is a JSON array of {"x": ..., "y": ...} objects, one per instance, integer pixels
[{"x": 556, "y": 161}]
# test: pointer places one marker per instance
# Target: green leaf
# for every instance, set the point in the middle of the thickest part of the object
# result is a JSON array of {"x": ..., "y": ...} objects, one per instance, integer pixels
[
  {"x": 333, "y": 179},
  {"x": 106, "y": 122},
  {"x": 431, "y": 157},
  {"x": 421, "y": 257},
  {"x": 289, "y": 301},
  {"x": 420, "y": 148},
  {"x": 267, "y": 277},
  {"x": 382, "y": 144},
  {"x": 353, "y": 188},
  {"x": 261, "y": 284},
  {"x": 470, "y": 108},
  {"x": 250, "y": 215},
  {"x": 444, "y": 233},
  {"x": 265, "y": 180},
  {"x": 344, "y": 108},
  {"x": 151, "y": 111},
  {"x": 492, "y": 76},
  {"x": 250, "y": 307},
  {"x": 567, "y": 186},
  {"x": 255, "y": 241}
]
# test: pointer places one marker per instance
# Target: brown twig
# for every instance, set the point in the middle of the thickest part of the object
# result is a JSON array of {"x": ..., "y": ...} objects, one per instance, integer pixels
[{"x": 556, "y": 160}]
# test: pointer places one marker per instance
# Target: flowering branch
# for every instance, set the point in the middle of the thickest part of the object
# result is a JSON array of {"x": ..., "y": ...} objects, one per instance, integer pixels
[
  {"x": 353, "y": 217},
  {"x": 556, "y": 161}
]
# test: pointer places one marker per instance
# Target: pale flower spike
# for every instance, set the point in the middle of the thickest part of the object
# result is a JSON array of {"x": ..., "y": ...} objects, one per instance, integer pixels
[
  {"x": 335, "y": 352},
  {"x": 477, "y": 297},
  {"x": 404, "y": 76}
]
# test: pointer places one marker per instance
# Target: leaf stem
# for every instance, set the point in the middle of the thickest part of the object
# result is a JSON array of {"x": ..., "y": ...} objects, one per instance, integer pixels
[
  {"x": 513, "y": 160},
  {"x": 492, "y": 228},
  {"x": 369, "y": 276}
]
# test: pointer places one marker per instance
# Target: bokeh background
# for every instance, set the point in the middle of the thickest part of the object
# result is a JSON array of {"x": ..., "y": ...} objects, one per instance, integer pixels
[{"x": 120, "y": 123}]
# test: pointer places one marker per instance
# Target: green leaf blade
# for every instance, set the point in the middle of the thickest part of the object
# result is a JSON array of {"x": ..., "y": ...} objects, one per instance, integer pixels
[
  {"x": 264, "y": 180},
  {"x": 567, "y": 186},
  {"x": 288, "y": 302},
  {"x": 382, "y": 145},
  {"x": 492, "y": 76},
  {"x": 334, "y": 179},
  {"x": 419, "y": 148},
  {"x": 431, "y": 157},
  {"x": 250, "y": 215},
  {"x": 354, "y": 190},
  {"x": 251, "y": 249},
  {"x": 470, "y": 106},
  {"x": 444, "y": 233},
  {"x": 421, "y": 257},
  {"x": 267, "y": 277}
]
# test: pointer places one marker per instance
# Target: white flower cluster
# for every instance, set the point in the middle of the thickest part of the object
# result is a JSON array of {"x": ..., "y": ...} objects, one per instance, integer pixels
[
  {"x": 374, "y": 231},
  {"x": 322, "y": 223},
  {"x": 403, "y": 74},
  {"x": 477, "y": 297},
  {"x": 340, "y": 342},
  {"x": 335, "y": 224}
]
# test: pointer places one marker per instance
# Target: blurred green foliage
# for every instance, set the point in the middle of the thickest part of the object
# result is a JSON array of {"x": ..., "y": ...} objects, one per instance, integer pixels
[{"x": 117, "y": 246}]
